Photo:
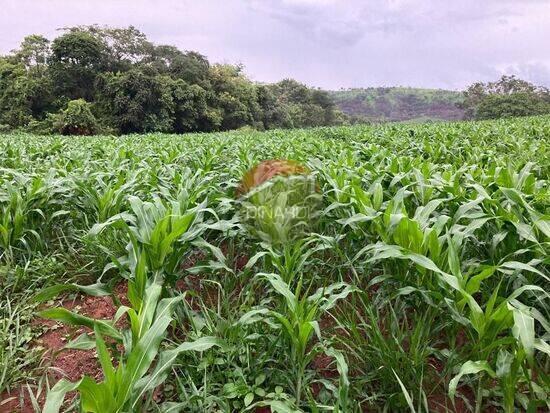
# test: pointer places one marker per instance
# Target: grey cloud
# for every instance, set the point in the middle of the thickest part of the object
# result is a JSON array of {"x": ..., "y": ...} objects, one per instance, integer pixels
[
  {"x": 536, "y": 72},
  {"x": 327, "y": 43}
]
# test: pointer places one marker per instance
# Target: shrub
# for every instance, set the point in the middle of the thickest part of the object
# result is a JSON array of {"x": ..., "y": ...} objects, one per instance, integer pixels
[
  {"x": 77, "y": 119},
  {"x": 507, "y": 106},
  {"x": 5, "y": 128}
]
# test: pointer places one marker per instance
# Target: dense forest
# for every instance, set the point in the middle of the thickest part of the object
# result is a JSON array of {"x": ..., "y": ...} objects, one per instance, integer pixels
[
  {"x": 93, "y": 79},
  {"x": 399, "y": 104}
]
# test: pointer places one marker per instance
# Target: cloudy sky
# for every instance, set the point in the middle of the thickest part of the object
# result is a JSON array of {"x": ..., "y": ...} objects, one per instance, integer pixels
[{"x": 324, "y": 43}]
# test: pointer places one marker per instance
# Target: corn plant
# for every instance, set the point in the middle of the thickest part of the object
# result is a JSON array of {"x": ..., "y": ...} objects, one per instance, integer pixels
[
  {"x": 124, "y": 386},
  {"x": 158, "y": 234},
  {"x": 298, "y": 320},
  {"x": 444, "y": 230},
  {"x": 24, "y": 203}
]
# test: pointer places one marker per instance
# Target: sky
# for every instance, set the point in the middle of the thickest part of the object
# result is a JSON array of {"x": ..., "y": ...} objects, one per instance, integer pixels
[{"x": 331, "y": 44}]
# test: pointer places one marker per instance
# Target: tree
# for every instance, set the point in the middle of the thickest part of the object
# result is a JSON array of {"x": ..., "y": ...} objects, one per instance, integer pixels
[
  {"x": 76, "y": 119},
  {"x": 303, "y": 106},
  {"x": 510, "y": 105},
  {"x": 33, "y": 51},
  {"x": 134, "y": 86},
  {"x": 506, "y": 97},
  {"x": 191, "y": 112},
  {"x": 77, "y": 59},
  {"x": 24, "y": 94},
  {"x": 274, "y": 114},
  {"x": 192, "y": 67},
  {"x": 124, "y": 46},
  {"x": 136, "y": 101},
  {"x": 235, "y": 96}
]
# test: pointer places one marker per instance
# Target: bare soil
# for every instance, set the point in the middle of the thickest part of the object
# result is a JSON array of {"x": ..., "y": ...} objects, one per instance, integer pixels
[{"x": 58, "y": 363}]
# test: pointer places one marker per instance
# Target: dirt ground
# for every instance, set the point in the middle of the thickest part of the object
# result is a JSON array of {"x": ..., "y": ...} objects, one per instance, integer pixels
[{"x": 57, "y": 363}]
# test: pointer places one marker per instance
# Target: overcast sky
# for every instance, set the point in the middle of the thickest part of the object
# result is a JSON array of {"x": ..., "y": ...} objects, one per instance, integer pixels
[{"x": 324, "y": 43}]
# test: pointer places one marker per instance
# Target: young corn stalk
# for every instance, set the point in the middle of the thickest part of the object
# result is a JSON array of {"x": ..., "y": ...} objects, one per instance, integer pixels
[
  {"x": 298, "y": 319},
  {"x": 128, "y": 385}
]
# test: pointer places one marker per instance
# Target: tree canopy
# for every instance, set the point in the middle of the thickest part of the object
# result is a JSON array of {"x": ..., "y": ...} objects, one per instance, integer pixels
[
  {"x": 116, "y": 80},
  {"x": 507, "y": 97}
]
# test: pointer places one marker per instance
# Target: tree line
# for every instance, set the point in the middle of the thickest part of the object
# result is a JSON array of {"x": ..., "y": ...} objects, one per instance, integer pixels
[
  {"x": 93, "y": 79},
  {"x": 505, "y": 98}
]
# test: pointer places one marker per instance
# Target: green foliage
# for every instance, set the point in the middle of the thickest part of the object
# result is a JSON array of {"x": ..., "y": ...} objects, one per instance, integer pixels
[
  {"x": 136, "y": 86},
  {"x": 298, "y": 106},
  {"x": 507, "y": 106},
  {"x": 137, "y": 101},
  {"x": 298, "y": 319},
  {"x": 398, "y": 104},
  {"x": 422, "y": 283},
  {"x": 507, "y": 97},
  {"x": 76, "y": 119},
  {"x": 15, "y": 335},
  {"x": 25, "y": 93},
  {"x": 76, "y": 60},
  {"x": 124, "y": 386}
]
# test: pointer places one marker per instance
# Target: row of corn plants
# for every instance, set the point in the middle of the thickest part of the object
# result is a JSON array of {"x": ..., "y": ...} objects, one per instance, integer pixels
[{"x": 385, "y": 268}]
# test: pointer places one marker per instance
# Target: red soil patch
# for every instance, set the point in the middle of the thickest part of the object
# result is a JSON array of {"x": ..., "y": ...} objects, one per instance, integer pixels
[
  {"x": 208, "y": 293},
  {"x": 73, "y": 364},
  {"x": 326, "y": 368},
  {"x": 440, "y": 403},
  {"x": 240, "y": 262},
  {"x": 69, "y": 364},
  {"x": 17, "y": 402}
]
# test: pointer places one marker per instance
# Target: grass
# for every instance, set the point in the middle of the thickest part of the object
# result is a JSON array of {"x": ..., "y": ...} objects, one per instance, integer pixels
[{"x": 417, "y": 280}]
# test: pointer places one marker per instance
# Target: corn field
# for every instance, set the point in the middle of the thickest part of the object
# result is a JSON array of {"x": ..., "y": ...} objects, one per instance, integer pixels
[{"x": 417, "y": 281}]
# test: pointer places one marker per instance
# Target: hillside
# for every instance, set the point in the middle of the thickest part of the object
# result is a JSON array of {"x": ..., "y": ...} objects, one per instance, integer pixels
[{"x": 399, "y": 103}]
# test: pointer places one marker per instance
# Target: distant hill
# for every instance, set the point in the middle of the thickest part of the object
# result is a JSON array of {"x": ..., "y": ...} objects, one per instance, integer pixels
[{"x": 399, "y": 104}]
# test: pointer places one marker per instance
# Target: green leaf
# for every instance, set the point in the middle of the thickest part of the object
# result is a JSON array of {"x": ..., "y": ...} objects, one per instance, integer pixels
[
  {"x": 68, "y": 317},
  {"x": 142, "y": 356},
  {"x": 524, "y": 330},
  {"x": 249, "y": 398},
  {"x": 82, "y": 342},
  {"x": 96, "y": 397},
  {"x": 104, "y": 358},
  {"x": 96, "y": 290},
  {"x": 542, "y": 345},
  {"x": 516, "y": 265},
  {"x": 454, "y": 260},
  {"x": 252, "y": 261},
  {"x": 253, "y": 316},
  {"x": 148, "y": 307},
  {"x": 57, "y": 393},
  {"x": 408, "y": 397},
  {"x": 341, "y": 364},
  {"x": 470, "y": 367},
  {"x": 384, "y": 251},
  {"x": 278, "y": 406},
  {"x": 474, "y": 283},
  {"x": 282, "y": 288},
  {"x": 168, "y": 357},
  {"x": 504, "y": 363},
  {"x": 377, "y": 195}
]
